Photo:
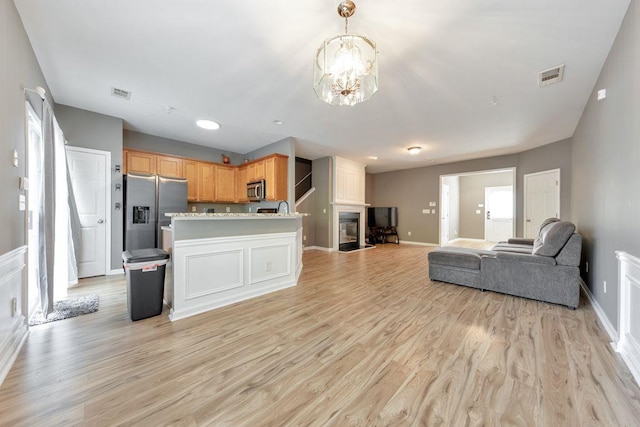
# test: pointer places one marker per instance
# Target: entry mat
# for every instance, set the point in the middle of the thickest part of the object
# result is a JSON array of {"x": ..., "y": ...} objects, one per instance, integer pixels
[{"x": 66, "y": 309}]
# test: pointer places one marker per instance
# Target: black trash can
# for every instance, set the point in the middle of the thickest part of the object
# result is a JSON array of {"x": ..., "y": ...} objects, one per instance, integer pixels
[{"x": 145, "y": 270}]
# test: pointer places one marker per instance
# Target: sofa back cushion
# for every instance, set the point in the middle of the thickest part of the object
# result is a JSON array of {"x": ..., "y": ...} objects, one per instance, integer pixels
[
  {"x": 552, "y": 238},
  {"x": 571, "y": 252}
]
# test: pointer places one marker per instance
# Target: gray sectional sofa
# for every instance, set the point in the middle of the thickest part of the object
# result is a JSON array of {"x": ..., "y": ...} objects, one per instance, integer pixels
[{"x": 545, "y": 268}]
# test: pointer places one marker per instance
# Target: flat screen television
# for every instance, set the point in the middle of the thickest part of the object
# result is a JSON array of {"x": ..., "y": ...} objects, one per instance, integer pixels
[{"x": 382, "y": 217}]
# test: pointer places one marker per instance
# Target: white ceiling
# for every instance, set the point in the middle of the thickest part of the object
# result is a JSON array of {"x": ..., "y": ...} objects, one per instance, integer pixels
[{"x": 246, "y": 63}]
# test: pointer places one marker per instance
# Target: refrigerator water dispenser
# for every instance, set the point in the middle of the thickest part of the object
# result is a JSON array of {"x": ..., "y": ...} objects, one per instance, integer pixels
[{"x": 141, "y": 214}]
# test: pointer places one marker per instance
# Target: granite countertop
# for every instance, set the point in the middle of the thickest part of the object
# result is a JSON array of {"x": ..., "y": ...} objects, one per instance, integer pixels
[{"x": 236, "y": 215}]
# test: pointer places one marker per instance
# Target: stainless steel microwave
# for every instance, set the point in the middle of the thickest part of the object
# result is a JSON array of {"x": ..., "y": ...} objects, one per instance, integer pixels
[{"x": 256, "y": 191}]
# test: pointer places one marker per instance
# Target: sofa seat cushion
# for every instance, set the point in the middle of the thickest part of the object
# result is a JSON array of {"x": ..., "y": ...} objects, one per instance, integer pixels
[
  {"x": 512, "y": 247},
  {"x": 458, "y": 257},
  {"x": 552, "y": 238}
]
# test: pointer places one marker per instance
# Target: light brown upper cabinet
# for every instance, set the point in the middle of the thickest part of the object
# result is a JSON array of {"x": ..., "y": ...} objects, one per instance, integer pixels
[
  {"x": 275, "y": 171},
  {"x": 241, "y": 183},
  {"x": 225, "y": 183},
  {"x": 152, "y": 163},
  {"x": 207, "y": 179},
  {"x": 140, "y": 162},
  {"x": 190, "y": 169},
  {"x": 169, "y": 166},
  {"x": 213, "y": 182}
]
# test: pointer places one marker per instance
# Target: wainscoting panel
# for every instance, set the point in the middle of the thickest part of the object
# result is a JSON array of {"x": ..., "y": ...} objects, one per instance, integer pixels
[
  {"x": 223, "y": 270},
  {"x": 214, "y": 272},
  {"x": 13, "y": 325},
  {"x": 628, "y": 344},
  {"x": 270, "y": 262}
]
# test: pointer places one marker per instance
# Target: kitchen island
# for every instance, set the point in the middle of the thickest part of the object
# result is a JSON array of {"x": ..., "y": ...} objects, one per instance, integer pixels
[{"x": 222, "y": 258}]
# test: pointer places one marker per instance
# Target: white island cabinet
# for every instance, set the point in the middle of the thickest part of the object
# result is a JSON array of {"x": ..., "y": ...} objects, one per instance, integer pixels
[{"x": 220, "y": 259}]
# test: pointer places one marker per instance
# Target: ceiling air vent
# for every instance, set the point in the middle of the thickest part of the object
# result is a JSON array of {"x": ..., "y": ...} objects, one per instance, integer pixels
[
  {"x": 120, "y": 93},
  {"x": 551, "y": 76}
]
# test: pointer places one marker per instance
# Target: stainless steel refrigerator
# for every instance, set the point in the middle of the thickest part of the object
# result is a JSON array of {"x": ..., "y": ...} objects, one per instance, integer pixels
[{"x": 147, "y": 199}]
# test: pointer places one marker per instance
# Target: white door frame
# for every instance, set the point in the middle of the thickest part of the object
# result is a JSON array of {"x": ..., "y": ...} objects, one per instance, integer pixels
[
  {"x": 444, "y": 204},
  {"x": 513, "y": 175},
  {"x": 109, "y": 228},
  {"x": 525, "y": 191}
]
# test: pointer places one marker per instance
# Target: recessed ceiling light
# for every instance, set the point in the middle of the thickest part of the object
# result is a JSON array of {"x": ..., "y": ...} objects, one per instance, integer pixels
[
  {"x": 373, "y": 157},
  {"x": 278, "y": 122},
  {"x": 414, "y": 150},
  {"x": 208, "y": 124}
]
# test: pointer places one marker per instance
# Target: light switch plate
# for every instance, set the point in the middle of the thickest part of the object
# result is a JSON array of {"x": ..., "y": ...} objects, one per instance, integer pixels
[
  {"x": 478, "y": 211},
  {"x": 425, "y": 211},
  {"x": 433, "y": 211},
  {"x": 15, "y": 158}
]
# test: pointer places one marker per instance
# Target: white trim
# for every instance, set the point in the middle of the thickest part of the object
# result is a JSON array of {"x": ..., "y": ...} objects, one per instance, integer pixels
[
  {"x": 304, "y": 196},
  {"x": 317, "y": 248},
  {"x": 628, "y": 279},
  {"x": 515, "y": 194},
  {"x": 524, "y": 196},
  {"x": 407, "y": 242},
  {"x": 108, "y": 223},
  {"x": 606, "y": 323},
  {"x": 12, "y": 285},
  {"x": 115, "y": 271}
]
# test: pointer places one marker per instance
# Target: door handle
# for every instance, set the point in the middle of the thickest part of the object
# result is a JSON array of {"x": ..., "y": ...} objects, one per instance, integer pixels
[
  {"x": 100, "y": 221},
  {"x": 488, "y": 214}
]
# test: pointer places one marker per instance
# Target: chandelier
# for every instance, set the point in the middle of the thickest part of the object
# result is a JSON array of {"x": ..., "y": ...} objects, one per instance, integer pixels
[{"x": 346, "y": 68}]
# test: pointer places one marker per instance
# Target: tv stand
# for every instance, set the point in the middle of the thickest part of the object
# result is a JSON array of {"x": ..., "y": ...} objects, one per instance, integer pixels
[{"x": 382, "y": 233}]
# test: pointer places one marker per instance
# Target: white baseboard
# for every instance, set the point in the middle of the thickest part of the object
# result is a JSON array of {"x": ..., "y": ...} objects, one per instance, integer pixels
[
  {"x": 11, "y": 347},
  {"x": 115, "y": 271},
  {"x": 407, "y": 242},
  {"x": 608, "y": 326},
  {"x": 317, "y": 248}
]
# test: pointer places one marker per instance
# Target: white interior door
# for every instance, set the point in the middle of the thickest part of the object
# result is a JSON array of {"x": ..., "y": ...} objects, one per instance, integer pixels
[
  {"x": 88, "y": 170},
  {"x": 541, "y": 199},
  {"x": 498, "y": 202},
  {"x": 444, "y": 209}
]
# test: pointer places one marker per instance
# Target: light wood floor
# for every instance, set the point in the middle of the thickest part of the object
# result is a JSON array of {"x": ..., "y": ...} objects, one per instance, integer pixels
[{"x": 364, "y": 339}]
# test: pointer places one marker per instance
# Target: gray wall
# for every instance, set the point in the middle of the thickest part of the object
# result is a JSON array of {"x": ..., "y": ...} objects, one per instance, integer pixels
[
  {"x": 472, "y": 189},
  {"x": 411, "y": 190},
  {"x": 606, "y": 177},
  {"x": 18, "y": 69},
  {"x": 322, "y": 214},
  {"x": 92, "y": 130},
  {"x": 144, "y": 142}
]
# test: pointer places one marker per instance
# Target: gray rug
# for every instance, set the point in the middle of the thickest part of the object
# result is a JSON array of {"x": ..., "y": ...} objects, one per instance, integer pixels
[{"x": 66, "y": 309}]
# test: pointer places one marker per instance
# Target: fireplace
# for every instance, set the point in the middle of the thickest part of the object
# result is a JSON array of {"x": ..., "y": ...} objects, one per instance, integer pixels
[{"x": 349, "y": 231}]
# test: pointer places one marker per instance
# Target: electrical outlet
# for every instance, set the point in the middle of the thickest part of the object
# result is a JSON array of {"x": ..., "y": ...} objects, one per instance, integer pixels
[
  {"x": 14, "y": 307},
  {"x": 228, "y": 209},
  {"x": 408, "y": 233},
  {"x": 587, "y": 266},
  {"x": 604, "y": 285},
  {"x": 304, "y": 238},
  {"x": 193, "y": 208},
  {"x": 267, "y": 266},
  {"x": 249, "y": 209},
  {"x": 324, "y": 211}
]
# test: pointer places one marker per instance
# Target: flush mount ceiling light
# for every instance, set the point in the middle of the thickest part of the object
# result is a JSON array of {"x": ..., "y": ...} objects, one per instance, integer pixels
[
  {"x": 208, "y": 124},
  {"x": 345, "y": 71},
  {"x": 414, "y": 150}
]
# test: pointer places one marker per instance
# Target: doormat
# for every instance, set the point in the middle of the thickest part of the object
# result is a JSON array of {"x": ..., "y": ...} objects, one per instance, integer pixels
[{"x": 66, "y": 309}]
